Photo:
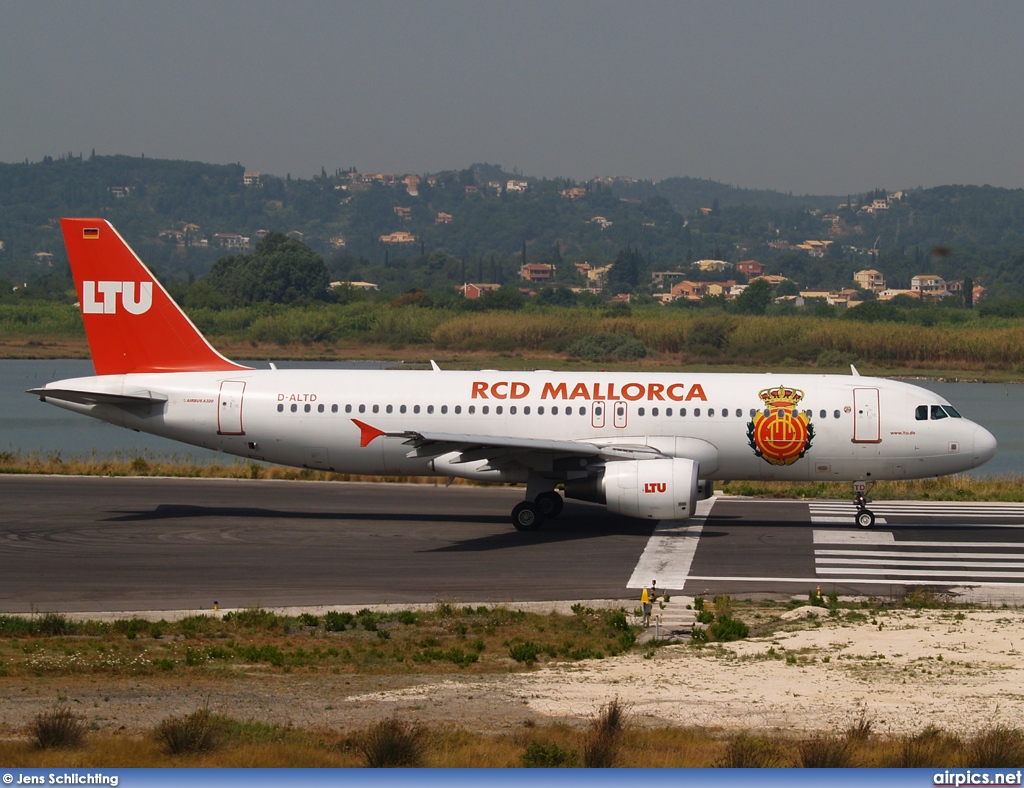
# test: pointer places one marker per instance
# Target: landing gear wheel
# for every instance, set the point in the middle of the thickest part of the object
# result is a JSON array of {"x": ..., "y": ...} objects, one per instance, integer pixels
[
  {"x": 865, "y": 518},
  {"x": 550, "y": 504},
  {"x": 526, "y": 516}
]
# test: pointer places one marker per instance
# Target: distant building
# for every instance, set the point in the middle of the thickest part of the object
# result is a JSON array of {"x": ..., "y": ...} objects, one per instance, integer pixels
[
  {"x": 713, "y": 265},
  {"x": 412, "y": 185},
  {"x": 251, "y": 179},
  {"x": 401, "y": 237},
  {"x": 928, "y": 285},
  {"x": 356, "y": 285},
  {"x": 750, "y": 268},
  {"x": 870, "y": 279},
  {"x": 575, "y": 193},
  {"x": 537, "y": 272},
  {"x": 600, "y": 221},
  {"x": 403, "y": 213},
  {"x": 120, "y": 192},
  {"x": 231, "y": 241},
  {"x": 517, "y": 186},
  {"x": 443, "y": 218},
  {"x": 473, "y": 290}
]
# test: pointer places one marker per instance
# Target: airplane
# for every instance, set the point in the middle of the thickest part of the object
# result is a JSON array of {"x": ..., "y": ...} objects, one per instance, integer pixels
[{"x": 646, "y": 445}]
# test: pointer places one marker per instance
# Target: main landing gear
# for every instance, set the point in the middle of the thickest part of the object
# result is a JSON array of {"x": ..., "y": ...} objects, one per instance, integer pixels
[
  {"x": 530, "y": 515},
  {"x": 865, "y": 517}
]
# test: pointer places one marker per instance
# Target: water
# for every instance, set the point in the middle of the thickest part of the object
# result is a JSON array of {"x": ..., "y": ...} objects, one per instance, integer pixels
[{"x": 28, "y": 425}]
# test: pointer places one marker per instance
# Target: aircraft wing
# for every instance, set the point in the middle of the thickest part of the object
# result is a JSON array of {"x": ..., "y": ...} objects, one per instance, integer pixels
[
  {"x": 475, "y": 447},
  {"x": 83, "y": 397}
]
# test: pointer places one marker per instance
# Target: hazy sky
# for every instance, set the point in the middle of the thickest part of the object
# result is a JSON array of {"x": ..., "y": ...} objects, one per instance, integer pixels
[{"x": 809, "y": 97}]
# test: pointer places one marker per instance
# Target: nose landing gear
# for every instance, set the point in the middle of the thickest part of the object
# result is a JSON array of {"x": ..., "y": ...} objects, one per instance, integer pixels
[{"x": 865, "y": 518}]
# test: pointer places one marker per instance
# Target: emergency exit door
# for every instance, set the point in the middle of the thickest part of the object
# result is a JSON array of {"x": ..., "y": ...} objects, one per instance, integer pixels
[
  {"x": 229, "y": 408},
  {"x": 867, "y": 427}
]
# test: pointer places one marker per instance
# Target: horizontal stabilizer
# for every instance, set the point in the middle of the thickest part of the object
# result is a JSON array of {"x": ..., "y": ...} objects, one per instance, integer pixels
[{"x": 98, "y": 397}]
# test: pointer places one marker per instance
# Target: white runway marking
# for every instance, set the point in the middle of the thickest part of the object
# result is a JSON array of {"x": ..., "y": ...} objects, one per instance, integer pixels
[{"x": 669, "y": 552}]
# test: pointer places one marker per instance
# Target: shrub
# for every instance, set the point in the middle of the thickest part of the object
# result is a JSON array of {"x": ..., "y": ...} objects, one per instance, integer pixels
[
  {"x": 997, "y": 748},
  {"x": 825, "y": 752},
  {"x": 57, "y": 728},
  {"x": 338, "y": 622},
  {"x": 726, "y": 629},
  {"x": 751, "y": 752},
  {"x": 524, "y": 652},
  {"x": 393, "y": 743},
  {"x": 194, "y": 733},
  {"x": 547, "y": 756},
  {"x": 602, "y": 747}
]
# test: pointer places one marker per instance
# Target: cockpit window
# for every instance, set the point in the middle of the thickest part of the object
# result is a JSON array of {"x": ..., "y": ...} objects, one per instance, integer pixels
[
  {"x": 921, "y": 413},
  {"x": 951, "y": 411},
  {"x": 938, "y": 412}
]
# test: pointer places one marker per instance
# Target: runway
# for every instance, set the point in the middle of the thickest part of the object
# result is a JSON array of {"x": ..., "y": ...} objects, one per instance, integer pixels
[{"x": 85, "y": 544}]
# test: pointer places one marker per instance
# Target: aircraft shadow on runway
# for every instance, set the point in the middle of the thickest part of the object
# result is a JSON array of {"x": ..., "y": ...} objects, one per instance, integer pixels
[{"x": 185, "y": 512}]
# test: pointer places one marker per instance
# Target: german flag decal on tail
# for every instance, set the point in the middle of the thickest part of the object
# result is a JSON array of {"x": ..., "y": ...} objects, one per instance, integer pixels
[{"x": 91, "y": 233}]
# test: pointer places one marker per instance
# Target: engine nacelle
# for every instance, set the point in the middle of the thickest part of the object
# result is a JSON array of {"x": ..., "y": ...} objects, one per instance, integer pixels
[{"x": 663, "y": 489}]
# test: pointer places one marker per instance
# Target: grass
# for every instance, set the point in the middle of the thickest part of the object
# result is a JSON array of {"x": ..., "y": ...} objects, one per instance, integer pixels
[
  {"x": 394, "y": 742},
  {"x": 447, "y": 639},
  {"x": 57, "y": 728},
  {"x": 1007, "y": 488}
]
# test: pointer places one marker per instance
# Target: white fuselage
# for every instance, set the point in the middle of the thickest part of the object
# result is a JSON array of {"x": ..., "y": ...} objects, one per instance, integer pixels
[{"x": 862, "y": 428}]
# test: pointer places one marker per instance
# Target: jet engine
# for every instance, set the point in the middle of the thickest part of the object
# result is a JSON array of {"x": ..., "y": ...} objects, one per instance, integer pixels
[{"x": 663, "y": 489}]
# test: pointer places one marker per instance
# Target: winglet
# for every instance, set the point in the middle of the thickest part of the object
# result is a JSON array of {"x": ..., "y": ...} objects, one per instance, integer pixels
[
  {"x": 132, "y": 323},
  {"x": 853, "y": 371},
  {"x": 367, "y": 433}
]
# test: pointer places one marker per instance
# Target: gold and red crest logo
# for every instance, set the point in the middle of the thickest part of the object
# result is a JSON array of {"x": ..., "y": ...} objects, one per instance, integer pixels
[{"x": 780, "y": 434}]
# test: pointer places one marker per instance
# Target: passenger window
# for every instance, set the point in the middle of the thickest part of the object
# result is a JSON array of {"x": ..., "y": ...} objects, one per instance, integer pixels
[
  {"x": 682, "y": 411},
  {"x": 319, "y": 408},
  {"x": 739, "y": 413},
  {"x": 711, "y": 412},
  {"x": 388, "y": 408},
  {"x": 415, "y": 408},
  {"x": 376, "y": 408},
  {"x": 835, "y": 414},
  {"x": 526, "y": 410},
  {"x": 753, "y": 412},
  {"x": 444, "y": 408},
  {"x": 402, "y": 409},
  {"x": 512, "y": 409},
  {"x": 654, "y": 411},
  {"x": 583, "y": 411},
  {"x": 294, "y": 407},
  {"x": 430, "y": 408},
  {"x": 951, "y": 411},
  {"x": 471, "y": 409},
  {"x": 696, "y": 411},
  {"x": 362, "y": 409},
  {"x": 280, "y": 408},
  {"x": 668, "y": 411},
  {"x": 540, "y": 410},
  {"x": 821, "y": 414},
  {"x": 458, "y": 409},
  {"x": 639, "y": 411},
  {"x": 921, "y": 413},
  {"x": 485, "y": 410},
  {"x": 348, "y": 408},
  {"x": 307, "y": 407},
  {"x": 498, "y": 410},
  {"x": 938, "y": 412},
  {"x": 554, "y": 410}
]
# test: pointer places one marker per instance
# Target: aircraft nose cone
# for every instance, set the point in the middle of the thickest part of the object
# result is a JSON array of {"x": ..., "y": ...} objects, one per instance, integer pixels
[{"x": 984, "y": 446}]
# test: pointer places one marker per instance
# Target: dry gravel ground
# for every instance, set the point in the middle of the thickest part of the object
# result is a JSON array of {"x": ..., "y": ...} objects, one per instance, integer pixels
[{"x": 904, "y": 669}]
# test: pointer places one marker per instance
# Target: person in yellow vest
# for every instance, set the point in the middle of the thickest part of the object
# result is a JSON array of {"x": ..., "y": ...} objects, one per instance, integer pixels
[{"x": 647, "y": 597}]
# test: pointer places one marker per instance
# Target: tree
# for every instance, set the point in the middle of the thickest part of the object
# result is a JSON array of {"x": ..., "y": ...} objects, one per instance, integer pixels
[
  {"x": 968, "y": 292},
  {"x": 755, "y": 299},
  {"x": 280, "y": 271},
  {"x": 626, "y": 270}
]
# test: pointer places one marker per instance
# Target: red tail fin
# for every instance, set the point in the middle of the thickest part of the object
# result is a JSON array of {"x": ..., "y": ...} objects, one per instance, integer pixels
[{"x": 131, "y": 322}]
